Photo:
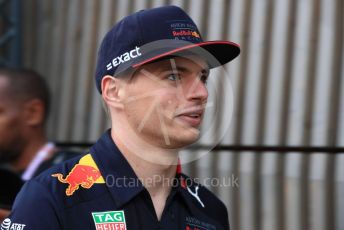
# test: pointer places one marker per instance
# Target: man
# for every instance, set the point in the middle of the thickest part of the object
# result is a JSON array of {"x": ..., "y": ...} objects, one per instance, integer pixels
[
  {"x": 151, "y": 72},
  {"x": 24, "y": 147},
  {"x": 24, "y": 105}
]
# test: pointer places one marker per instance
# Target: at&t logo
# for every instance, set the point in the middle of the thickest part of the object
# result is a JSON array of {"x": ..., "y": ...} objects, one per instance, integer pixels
[{"x": 7, "y": 225}]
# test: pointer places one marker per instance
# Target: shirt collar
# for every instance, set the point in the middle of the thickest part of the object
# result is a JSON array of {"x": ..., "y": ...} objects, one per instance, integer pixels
[{"x": 120, "y": 178}]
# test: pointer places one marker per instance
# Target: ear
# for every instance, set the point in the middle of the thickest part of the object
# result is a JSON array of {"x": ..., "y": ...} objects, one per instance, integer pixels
[
  {"x": 112, "y": 91},
  {"x": 34, "y": 112}
]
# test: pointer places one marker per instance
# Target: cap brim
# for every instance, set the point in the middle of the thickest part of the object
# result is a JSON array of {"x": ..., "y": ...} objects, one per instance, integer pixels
[{"x": 220, "y": 51}]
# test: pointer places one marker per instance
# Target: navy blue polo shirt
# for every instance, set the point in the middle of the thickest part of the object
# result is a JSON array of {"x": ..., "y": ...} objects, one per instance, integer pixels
[{"x": 100, "y": 190}]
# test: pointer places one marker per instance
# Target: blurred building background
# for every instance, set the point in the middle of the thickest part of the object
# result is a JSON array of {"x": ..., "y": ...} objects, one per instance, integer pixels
[{"x": 287, "y": 90}]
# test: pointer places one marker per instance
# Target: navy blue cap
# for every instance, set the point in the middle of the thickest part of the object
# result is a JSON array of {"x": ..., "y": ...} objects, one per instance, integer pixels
[{"x": 155, "y": 33}]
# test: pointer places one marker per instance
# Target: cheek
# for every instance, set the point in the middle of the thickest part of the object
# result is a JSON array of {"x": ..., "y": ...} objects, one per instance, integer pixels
[
  {"x": 147, "y": 111},
  {"x": 137, "y": 111},
  {"x": 9, "y": 128},
  {"x": 8, "y": 121},
  {"x": 166, "y": 104},
  {"x": 169, "y": 107}
]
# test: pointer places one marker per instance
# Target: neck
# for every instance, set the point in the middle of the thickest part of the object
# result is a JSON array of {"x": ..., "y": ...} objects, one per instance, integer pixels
[
  {"x": 155, "y": 167},
  {"x": 29, "y": 152},
  {"x": 148, "y": 162}
]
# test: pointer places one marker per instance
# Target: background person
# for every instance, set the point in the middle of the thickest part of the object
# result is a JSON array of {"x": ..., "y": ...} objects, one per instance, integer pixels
[{"x": 24, "y": 147}]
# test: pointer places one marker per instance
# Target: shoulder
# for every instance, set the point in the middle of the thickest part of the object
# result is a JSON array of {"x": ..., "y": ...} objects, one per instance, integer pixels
[
  {"x": 40, "y": 203},
  {"x": 208, "y": 196},
  {"x": 47, "y": 177},
  {"x": 53, "y": 184},
  {"x": 70, "y": 178},
  {"x": 48, "y": 181},
  {"x": 43, "y": 201},
  {"x": 59, "y": 156},
  {"x": 208, "y": 202}
]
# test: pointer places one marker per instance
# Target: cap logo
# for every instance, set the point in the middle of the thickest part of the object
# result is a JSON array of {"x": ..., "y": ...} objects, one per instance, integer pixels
[
  {"x": 186, "y": 33},
  {"x": 183, "y": 30},
  {"x": 127, "y": 56}
]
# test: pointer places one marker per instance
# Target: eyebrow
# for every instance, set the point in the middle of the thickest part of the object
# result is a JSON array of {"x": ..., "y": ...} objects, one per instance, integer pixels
[{"x": 185, "y": 69}]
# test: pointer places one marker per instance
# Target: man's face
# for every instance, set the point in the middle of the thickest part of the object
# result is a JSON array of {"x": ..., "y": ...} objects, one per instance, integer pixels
[
  {"x": 165, "y": 101},
  {"x": 11, "y": 135}
]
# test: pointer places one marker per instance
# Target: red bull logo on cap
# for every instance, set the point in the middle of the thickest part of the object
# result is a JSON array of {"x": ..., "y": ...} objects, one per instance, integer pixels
[{"x": 84, "y": 174}]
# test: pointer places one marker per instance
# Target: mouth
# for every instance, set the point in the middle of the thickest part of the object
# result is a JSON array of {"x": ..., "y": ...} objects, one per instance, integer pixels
[{"x": 191, "y": 117}]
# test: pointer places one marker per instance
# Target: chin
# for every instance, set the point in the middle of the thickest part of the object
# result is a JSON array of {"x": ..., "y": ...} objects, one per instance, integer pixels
[{"x": 183, "y": 139}]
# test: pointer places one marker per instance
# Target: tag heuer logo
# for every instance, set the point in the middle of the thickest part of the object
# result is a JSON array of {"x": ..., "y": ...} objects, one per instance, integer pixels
[{"x": 111, "y": 220}]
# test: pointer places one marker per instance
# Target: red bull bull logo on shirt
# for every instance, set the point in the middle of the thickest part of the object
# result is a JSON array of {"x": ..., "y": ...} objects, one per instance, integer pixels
[{"x": 84, "y": 174}]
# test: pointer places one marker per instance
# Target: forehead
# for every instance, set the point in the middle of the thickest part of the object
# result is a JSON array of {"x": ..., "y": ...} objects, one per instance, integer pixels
[
  {"x": 6, "y": 96},
  {"x": 5, "y": 100},
  {"x": 4, "y": 86}
]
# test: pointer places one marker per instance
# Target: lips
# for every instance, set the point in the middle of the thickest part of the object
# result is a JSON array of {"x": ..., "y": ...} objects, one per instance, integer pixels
[{"x": 191, "y": 117}]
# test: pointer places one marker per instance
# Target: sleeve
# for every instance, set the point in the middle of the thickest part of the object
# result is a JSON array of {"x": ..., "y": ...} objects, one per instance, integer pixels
[{"x": 33, "y": 209}]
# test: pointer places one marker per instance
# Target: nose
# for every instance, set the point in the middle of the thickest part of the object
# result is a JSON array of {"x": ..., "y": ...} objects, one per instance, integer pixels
[{"x": 197, "y": 90}]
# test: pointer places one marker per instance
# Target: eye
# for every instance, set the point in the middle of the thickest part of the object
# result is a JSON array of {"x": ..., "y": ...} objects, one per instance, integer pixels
[
  {"x": 173, "y": 77},
  {"x": 204, "y": 78}
]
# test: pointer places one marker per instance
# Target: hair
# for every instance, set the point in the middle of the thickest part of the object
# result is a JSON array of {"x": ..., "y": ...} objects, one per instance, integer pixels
[{"x": 26, "y": 84}]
